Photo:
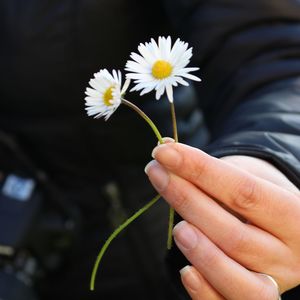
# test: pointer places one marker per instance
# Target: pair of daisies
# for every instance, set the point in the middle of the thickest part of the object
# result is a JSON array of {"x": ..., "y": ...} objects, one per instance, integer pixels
[{"x": 159, "y": 67}]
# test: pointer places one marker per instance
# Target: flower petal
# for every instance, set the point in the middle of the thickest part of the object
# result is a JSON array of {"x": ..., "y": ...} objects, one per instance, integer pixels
[
  {"x": 170, "y": 92},
  {"x": 125, "y": 86}
]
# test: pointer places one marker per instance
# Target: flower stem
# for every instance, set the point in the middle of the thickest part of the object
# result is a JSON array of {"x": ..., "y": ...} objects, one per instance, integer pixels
[
  {"x": 114, "y": 235},
  {"x": 175, "y": 132},
  {"x": 145, "y": 117},
  {"x": 171, "y": 210}
]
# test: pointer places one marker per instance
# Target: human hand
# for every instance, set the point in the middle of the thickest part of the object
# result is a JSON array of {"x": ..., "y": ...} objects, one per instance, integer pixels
[{"x": 227, "y": 253}]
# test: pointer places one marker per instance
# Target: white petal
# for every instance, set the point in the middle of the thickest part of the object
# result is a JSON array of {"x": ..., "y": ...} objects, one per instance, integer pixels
[
  {"x": 103, "y": 82},
  {"x": 189, "y": 69},
  {"x": 143, "y": 85},
  {"x": 139, "y": 59},
  {"x": 171, "y": 81},
  {"x": 162, "y": 48},
  {"x": 165, "y": 47},
  {"x": 161, "y": 83},
  {"x": 147, "y": 90},
  {"x": 138, "y": 87},
  {"x": 137, "y": 76},
  {"x": 187, "y": 54},
  {"x": 89, "y": 100},
  {"x": 106, "y": 75},
  {"x": 181, "y": 81},
  {"x": 119, "y": 77},
  {"x": 155, "y": 49},
  {"x": 168, "y": 45},
  {"x": 133, "y": 66},
  {"x": 178, "y": 52},
  {"x": 149, "y": 57},
  {"x": 115, "y": 75},
  {"x": 174, "y": 50},
  {"x": 159, "y": 92},
  {"x": 92, "y": 92},
  {"x": 170, "y": 93},
  {"x": 96, "y": 85},
  {"x": 190, "y": 76},
  {"x": 125, "y": 86}
]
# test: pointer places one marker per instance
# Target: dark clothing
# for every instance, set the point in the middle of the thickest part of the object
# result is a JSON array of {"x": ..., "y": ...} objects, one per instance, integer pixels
[{"x": 249, "y": 54}]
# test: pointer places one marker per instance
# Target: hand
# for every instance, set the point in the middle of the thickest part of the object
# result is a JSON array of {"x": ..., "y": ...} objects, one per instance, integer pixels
[{"x": 227, "y": 253}]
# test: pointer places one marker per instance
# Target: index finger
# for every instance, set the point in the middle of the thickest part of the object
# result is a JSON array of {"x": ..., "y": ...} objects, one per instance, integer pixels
[{"x": 263, "y": 203}]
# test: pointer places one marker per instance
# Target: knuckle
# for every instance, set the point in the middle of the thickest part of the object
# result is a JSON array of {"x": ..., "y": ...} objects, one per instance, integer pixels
[
  {"x": 246, "y": 194},
  {"x": 239, "y": 242},
  {"x": 211, "y": 258},
  {"x": 181, "y": 201},
  {"x": 198, "y": 168},
  {"x": 198, "y": 296}
]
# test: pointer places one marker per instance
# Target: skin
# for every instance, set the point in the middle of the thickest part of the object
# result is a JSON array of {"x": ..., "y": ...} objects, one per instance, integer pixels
[{"x": 241, "y": 218}]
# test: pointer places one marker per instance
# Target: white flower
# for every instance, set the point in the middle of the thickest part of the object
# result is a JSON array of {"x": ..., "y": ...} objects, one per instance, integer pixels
[
  {"x": 105, "y": 95},
  {"x": 160, "y": 67}
]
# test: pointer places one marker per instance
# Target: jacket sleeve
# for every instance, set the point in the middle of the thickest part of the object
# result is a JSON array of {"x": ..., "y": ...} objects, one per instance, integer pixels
[{"x": 249, "y": 54}]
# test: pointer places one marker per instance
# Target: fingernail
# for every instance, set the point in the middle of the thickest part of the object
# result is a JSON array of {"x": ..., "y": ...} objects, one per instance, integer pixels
[
  {"x": 185, "y": 270},
  {"x": 155, "y": 150},
  {"x": 190, "y": 279},
  {"x": 158, "y": 176},
  {"x": 185, "y": 236},
  {"x": 167, "y": 155}
]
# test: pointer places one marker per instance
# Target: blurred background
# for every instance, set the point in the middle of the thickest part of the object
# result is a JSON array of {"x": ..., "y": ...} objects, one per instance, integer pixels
[{"x": 68, "y": 180}]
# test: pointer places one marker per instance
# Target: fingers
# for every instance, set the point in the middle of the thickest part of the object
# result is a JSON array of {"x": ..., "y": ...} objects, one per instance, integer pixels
[
  {"x": 245, "y": 243},
  {"x": 196, "y": 285},
  {"x": 166, "y": 140},
  {"x": 258, "y": 200},
  {"x": 223, "y": 274},
  {"x": 265, "y": 170}
]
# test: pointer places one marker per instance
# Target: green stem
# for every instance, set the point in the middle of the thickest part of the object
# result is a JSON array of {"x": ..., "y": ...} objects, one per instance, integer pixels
[
  {"x": 170, "y": 228},
  {"x": 114, "y": 235},
  {"x": 145, "y": 117},
  {"x": 175, "y": 132},
  {"x": 171, "y": 210}
]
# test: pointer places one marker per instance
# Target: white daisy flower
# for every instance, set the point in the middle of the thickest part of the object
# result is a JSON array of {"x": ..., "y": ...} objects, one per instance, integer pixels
[
  {"x": 105, "y": 95},
  {"x": 160, "y": 67}
]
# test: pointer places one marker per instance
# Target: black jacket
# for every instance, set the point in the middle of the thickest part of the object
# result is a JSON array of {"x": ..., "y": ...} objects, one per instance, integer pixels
[
  {"x": 248, "y": 51},
  {"x": 250, "y": 58}
]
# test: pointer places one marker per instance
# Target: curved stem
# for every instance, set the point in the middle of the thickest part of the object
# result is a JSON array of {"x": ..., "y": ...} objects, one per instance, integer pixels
[
  {"x": 114, "y": 235},
  {"x": 171, "y": 210},
  {"x": 145, "y": 117}
]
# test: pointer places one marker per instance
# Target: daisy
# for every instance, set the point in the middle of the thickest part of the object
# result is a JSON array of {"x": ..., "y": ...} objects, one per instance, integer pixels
[
  {"x": 160, "y": 67},
  {"x": 105, "y": 95}
]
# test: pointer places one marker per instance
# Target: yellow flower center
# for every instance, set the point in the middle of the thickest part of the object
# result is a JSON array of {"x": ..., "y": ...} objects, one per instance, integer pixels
[
  {"x": 161, "y": 69},
  {"x": 108, "y": 96}
]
